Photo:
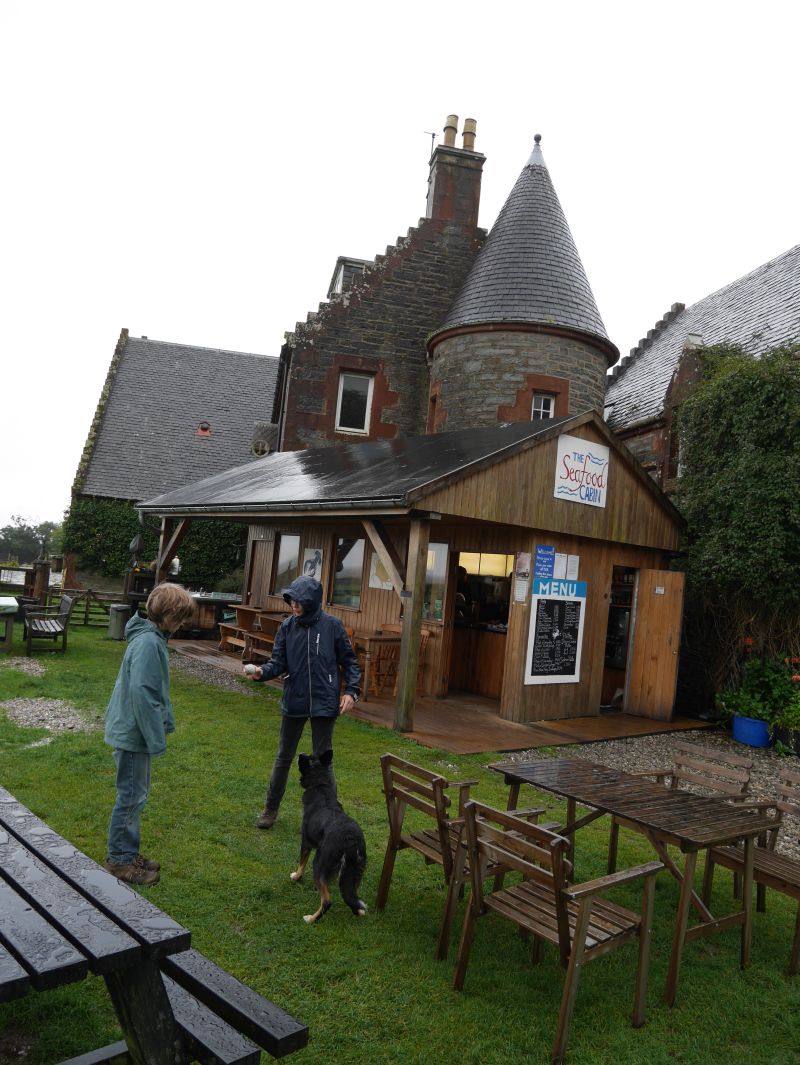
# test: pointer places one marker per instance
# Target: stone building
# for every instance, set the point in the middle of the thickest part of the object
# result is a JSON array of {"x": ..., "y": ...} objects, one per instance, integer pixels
[
  {"x": 758, "y": 311},
  {"x": 450, "y": 328}
]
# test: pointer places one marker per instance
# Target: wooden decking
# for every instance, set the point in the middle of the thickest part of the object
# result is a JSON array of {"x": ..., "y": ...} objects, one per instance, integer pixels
[{"x": 469, "y": 724}]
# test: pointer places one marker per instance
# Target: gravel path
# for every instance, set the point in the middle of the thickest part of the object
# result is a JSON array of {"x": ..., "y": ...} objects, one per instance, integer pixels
[
  {"x": 52, "y": 714},
  {"x": 640, "y": 753},
  {"x": 218, "y": 678}
]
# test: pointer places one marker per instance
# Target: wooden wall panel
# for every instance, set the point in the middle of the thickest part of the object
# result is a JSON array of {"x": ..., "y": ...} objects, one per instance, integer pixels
[{"x": 519, "y": 491}]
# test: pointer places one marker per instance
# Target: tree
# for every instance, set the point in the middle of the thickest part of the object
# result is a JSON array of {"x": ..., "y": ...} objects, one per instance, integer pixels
[
  {"x": 24, "y": 541},
  {"x": 739, "y": 491}
]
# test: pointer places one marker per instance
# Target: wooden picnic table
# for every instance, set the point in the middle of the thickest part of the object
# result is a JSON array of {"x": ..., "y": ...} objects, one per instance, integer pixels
[
  {"x": 8, "y": 609},
  {"x": 63, "y": 916},
  {"x": 692, "y": 823},
  {"x": 373, "y": 644}
]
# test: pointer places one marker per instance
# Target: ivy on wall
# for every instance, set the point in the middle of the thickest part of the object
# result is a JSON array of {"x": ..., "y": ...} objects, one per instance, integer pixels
[
  {"x": 739, "y": 491},
  {"x": 100, "y": 531}
]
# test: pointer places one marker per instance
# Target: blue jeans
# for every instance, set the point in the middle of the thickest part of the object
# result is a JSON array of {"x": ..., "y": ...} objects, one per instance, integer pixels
[
  {"x": 291, "y": 731},
  {"x": 133, "y": 786}
]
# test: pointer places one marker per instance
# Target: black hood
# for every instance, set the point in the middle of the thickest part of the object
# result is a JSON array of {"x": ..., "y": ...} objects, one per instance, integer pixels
[{"x": 308, "y": 592}]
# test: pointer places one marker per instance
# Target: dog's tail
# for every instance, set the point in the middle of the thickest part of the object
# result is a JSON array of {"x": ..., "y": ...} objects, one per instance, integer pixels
[{"x": 354, "y": 862}]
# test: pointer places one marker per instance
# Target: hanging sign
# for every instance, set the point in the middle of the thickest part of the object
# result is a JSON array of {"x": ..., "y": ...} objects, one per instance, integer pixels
[
  {"x": 581, "y": 471},
  {"x": 556, "y": 632}
]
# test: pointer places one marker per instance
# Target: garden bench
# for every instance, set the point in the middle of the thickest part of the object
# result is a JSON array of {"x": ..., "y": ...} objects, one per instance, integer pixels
[
  {"x": 48, "y": 623},
  {"x": 771, "y": 869},
  {"x": 63, "y": 916},
  {"x": 721, "y": 773}
]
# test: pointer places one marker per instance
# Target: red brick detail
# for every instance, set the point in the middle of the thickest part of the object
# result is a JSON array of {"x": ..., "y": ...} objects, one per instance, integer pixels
[
  {"x": 520, "y": 411},
  {"x": 382, "y": 398},
  {"x": 437, "y": 415}
]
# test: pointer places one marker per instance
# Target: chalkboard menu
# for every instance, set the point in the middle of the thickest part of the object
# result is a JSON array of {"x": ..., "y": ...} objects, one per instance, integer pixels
[
  {"x": 556, "y": 632},
  {"x": 556, "y": 637}
]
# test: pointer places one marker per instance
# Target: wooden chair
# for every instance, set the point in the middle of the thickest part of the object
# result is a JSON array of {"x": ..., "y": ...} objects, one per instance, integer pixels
[
  {"x": 722, "y": 774},
  {"x": 48, "y": 623},
  {"x": 770, "y": 868},
  {"x": 408, "y": 785},
  {"x": 575, "y": 918}
]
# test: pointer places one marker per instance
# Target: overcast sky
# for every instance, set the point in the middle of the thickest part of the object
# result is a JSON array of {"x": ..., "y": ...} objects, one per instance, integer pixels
[{"x": 191, "y": 170}]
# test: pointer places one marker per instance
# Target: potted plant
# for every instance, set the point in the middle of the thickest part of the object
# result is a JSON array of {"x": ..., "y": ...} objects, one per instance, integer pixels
[
  {"x": 766, "y": 689},
  {"x": 752, "y": 720},
  {"x": 786, "y": 729}
]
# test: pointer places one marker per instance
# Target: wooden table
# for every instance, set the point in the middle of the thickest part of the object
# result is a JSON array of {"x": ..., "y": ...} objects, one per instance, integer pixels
[
  {"x": 8, "y": 609},
  {"x": 372, "y": 643},
  {"x": 680, "y": 818},
  {"x": 63, "y": 916}
]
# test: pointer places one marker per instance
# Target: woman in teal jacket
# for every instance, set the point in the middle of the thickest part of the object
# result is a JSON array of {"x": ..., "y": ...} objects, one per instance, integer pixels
[{"x": 138, "y": 719}]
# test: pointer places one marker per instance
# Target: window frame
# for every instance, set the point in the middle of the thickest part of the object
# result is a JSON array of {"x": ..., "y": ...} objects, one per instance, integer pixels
[
  {"x": 276, "y": 555},
  {"x": 332, "y": 584},
  {"x": 551, "y": 400},
  {"x": 368, "y": 410}
]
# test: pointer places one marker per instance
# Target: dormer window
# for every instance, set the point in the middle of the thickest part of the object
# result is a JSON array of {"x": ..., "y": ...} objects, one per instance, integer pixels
[
  {"x": 203, "y": 429},
  {"x": 354, "y": 402}
]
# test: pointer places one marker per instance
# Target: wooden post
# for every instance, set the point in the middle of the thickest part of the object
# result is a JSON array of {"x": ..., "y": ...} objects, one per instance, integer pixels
[
  {"x": 145, "y": 1015},
  {"x": 172, "y": 535},
  {"x": 41, "y": 580},
  {"x": 413, "y": 595}
]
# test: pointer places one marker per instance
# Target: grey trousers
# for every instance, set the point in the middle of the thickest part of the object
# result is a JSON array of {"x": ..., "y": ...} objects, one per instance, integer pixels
[{"x": 291, "y": 731}]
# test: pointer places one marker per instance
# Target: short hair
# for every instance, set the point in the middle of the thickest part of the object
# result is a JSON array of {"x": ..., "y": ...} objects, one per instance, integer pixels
[{"x": 169, "y": 606}]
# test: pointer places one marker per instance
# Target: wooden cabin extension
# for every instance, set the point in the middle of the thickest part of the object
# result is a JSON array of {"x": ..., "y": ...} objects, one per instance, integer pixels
[{"x": 386, "y": 526}]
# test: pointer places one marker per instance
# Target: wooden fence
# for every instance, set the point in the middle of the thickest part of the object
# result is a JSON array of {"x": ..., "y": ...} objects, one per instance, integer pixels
[{"x": 91, "y": 608}]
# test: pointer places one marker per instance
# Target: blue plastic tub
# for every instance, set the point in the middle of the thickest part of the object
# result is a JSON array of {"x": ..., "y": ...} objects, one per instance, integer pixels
[{"x": 750, "y": 731}]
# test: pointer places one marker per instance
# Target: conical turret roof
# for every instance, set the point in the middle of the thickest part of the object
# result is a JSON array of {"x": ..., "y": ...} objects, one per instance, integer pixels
[{"x": 529, "y": 270}]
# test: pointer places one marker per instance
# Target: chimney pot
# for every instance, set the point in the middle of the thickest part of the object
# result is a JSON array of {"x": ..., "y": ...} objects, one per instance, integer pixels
[
  {"x": 470, "y": 128},
  {"x": 450, "y": 130}
]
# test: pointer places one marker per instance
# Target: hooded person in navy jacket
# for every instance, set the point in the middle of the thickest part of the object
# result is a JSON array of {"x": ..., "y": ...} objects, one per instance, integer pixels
[{"x": 310, "y": 649}]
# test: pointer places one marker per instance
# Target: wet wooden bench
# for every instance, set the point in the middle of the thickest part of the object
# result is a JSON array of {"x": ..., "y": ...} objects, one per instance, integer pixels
[
  {"x": 63, "y": 916},
  {"x": 48, "y": 623}
]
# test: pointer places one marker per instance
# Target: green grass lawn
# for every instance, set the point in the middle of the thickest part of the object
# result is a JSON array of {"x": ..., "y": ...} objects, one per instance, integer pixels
[{"x": 369, "y": 990}]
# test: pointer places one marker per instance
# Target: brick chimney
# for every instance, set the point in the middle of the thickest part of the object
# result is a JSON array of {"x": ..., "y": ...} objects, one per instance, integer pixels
[{"x": 454, "y": 185}]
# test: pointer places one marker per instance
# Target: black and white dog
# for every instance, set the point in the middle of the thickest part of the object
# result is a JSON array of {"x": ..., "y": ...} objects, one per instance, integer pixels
[{"x": 341, "y": 851}]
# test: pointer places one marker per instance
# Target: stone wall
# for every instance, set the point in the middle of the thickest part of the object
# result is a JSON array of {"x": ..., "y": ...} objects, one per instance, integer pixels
[
  {"x": 484, "y": 378},
  {"x": 379, "y": 326}
]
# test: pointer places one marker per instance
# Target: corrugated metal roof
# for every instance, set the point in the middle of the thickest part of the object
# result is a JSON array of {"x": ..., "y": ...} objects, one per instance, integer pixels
[
  {"x": 759, "y": 311},
  {"x": 377, "y": 474}
]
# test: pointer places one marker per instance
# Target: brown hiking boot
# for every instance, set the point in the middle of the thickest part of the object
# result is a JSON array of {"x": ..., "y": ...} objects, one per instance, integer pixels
[
  {"x": 133, "y": 874},
  {"x": 150, "y": 864},
  {"x": 267, "y": 818}
]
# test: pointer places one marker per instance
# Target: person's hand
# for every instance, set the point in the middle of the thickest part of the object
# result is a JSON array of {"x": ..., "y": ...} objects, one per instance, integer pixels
[
  {"x": 252, "y": 672},
  {"x": 346, "y": 704}
]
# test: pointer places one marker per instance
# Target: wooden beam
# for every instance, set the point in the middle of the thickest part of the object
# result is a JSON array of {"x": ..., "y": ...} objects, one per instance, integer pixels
[
  {"x": 171, "y": 538},
  {"x": 413, "y": 595},
  {"x": 385, "y": 550}
]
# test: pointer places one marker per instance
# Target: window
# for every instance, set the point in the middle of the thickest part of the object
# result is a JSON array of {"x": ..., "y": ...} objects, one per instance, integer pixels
[
  {"x": 287, "y": 562},
  {"x": 544, "y": 405},
  {"x": 347, "y": 572},
  {"x": 354, "y": 403},
  {"x": 435, "y": 577}
]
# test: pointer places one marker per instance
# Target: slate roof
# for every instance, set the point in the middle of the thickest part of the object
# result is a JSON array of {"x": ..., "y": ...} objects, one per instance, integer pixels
[
  {"x": 529, "y": 269},
  {"x": 144, "y": 440},
  {"x": 377, "y": 473},
  {"x": 759, "y": 311}
]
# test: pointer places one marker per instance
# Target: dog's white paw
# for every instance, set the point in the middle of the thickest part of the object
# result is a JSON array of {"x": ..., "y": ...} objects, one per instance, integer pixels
[
  {"x": 295, "y": 875},
  {"x": 309, "y": 918},
  {"x": 361, "y": 913}
]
